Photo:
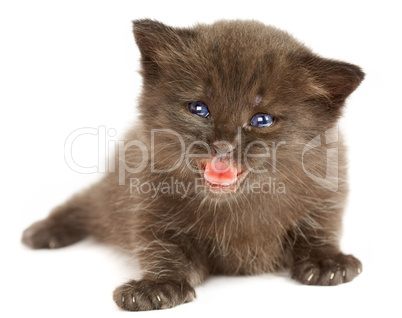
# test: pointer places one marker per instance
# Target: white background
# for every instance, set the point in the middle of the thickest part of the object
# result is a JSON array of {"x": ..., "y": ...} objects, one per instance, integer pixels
[{"x": 66, "y": 65}]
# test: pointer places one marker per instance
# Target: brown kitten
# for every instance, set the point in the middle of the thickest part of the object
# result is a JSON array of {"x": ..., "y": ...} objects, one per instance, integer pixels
[{"x": 229, "y": 138}]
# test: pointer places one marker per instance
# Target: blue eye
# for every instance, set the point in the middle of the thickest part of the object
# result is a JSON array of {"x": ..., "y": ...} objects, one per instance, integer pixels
[
  {"x": 262, "y": 120},
  {"x": 199, "y": 109}
]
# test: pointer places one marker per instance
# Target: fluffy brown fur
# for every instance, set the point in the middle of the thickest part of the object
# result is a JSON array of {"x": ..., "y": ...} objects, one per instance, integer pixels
[{"x": 238, "y": 69}]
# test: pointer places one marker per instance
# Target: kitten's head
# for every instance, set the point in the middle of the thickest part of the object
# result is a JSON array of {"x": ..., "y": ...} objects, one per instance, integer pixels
[{"x": 231, "y": 92}]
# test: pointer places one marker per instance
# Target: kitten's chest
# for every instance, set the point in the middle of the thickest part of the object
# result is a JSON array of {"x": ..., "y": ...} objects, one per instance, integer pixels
[
  {"x": 244, "y": 246},
  {"x": 243, "y": 237},
  {"x": 251, "y": 252}
]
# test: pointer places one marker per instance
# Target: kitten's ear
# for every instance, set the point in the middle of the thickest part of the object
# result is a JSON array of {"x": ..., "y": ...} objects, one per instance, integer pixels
[
  {"x": 338, "y": 79},
  {"x": 157, "y": 42}
]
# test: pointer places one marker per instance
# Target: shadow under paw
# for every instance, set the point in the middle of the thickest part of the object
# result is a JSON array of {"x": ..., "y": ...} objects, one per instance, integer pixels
[
  {"x": 327, "y": 271},
  {"x": 150, "y": 295}
]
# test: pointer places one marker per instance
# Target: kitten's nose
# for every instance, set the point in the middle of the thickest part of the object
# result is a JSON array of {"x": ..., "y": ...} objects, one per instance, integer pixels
[{"x": 222, "y": 148}]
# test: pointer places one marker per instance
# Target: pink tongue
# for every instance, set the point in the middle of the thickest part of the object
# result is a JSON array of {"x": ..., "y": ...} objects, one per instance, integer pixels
[{"x": 220, "y": 173}]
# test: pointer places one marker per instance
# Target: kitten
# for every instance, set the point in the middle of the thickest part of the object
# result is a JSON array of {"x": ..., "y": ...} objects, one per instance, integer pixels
[{"x": 225, "y": 171}]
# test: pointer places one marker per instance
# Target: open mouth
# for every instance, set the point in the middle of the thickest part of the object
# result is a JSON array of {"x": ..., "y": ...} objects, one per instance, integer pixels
[{"x": 221, "y": 176}]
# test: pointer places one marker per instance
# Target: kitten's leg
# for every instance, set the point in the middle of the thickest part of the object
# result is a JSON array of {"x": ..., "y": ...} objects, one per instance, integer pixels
[
  {"x": 317, "y": 257},
  {"x": 67, "y": 224},
  {"x": 171, "y": 272}
]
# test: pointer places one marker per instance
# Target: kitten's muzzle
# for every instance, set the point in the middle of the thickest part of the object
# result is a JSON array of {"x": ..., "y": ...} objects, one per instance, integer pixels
[
  {"x": 221, "y": 175},
  {"x": 222, "y": 149}
]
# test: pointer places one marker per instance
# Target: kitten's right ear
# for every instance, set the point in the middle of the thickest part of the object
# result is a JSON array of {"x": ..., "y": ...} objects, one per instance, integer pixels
[
  {"x": 157, "y": 41},
  {"x": 149, "y": 35}
]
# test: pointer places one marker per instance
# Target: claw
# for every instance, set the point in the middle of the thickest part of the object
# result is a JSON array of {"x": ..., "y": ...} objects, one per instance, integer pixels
[
  {"x": 310, "y": 277},
  {"x": 52, "y": 243},
  {"x": 133, "y": 299},
  {"x": 157, "y": 297},
  {"x": 122, "y": 299},
  {"x": 332, "y": 276}
]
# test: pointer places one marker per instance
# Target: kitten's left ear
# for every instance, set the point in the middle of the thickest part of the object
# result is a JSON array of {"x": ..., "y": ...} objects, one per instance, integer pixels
[{"x": 338, "y": 79}]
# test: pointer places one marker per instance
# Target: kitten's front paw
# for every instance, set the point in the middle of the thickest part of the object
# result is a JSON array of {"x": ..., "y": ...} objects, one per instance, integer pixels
[
  {"x": 327, "y": 271},
  {"x": 149, "y": 295}
]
